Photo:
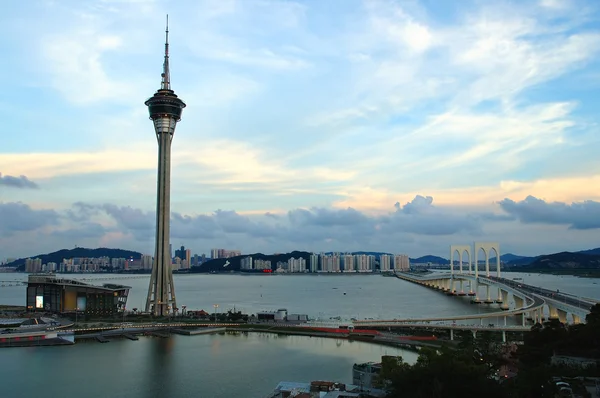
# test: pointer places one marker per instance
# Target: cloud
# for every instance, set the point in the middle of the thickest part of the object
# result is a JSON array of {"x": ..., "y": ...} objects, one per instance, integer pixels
[
  {"x": 323, "y": 118},
  {"x": 421, "y": 217},
  {"x": 416, "y": 227},
  {"x": 45, "y": 165},
  {"x": 86, "y": 230},
  {"x": 17, "y": 217},
  {"x": 17, "y": 182},
  {"x": 583, "y": 215}
]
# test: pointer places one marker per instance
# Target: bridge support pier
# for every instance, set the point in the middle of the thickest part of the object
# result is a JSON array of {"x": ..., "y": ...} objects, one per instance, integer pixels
[
  {"x": 576, "y": 319},
  {"x": 500, "y": 298},
  {"x": 451, "y": 334},
  {"x": 471, "y": 291},
  {"x": 552, "y": 312},
  {"x": 518, "y": 301},
  {"x": 504, "y": 336},
  {"x": 504, "y": 301},
  {"x": 562, "y": 316},
  {"x": 488, "y": 299},
  {"x": 474, "y": 333}
]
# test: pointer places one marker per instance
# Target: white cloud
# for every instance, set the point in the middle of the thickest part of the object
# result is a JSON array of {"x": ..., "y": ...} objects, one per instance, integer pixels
[{"x": 291, "y": 106}]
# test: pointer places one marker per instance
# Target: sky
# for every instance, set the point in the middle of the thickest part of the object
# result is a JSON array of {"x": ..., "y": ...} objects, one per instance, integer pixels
[{"x": 339, "y": 125}]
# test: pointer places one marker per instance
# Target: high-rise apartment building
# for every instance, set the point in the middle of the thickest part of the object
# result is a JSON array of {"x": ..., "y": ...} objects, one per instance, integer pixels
[
  {"x": 348, "y": 263},
  {"x": 33, "y": 265},
  {"x": 364, "y": 262},
  {"x": 262, "y": 264},
  {"x": 401, "y": 262},
  {"x": 246, "y": 263},
  {"x": 296, "y": 265},
  {"x": 330, "y": 262},
  {"x": 188, "y": 258},
  {"x": 385, "y": 262},
  {"x": 313, "y": 262},
  {"x": 223, "y": 253},
  {"x": 147, "y": 261}
]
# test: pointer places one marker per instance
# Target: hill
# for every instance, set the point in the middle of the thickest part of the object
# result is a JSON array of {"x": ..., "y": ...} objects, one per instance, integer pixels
[
  {"x": 233, "y": 263},
  {"x": 566, "y": 260},
  {"x": 522, "y": 261},
  {"x": 58, "y": 256},
  {"x": 595, "y": 251},
  {"x": 430, "y": 259},
  {"x": 508, "y": 257}
]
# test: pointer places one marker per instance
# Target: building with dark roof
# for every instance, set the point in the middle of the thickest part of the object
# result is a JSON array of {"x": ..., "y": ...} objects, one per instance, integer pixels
[{"x": 49, "y": 293}]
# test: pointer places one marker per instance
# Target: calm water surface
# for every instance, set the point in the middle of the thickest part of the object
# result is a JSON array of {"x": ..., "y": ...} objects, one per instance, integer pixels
[
  {"x": 218, "y": 365},
  {"x": 213, "y": 366}
]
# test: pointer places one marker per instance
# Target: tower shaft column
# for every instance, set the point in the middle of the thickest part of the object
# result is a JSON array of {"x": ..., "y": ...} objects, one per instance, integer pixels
[{"x": 161, "y": 292}]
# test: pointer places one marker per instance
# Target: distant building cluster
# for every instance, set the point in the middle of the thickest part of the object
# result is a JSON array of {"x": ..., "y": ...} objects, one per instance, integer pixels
[
  {"x": 86, "y": 264},
  {"x": 293, "y": 265},
  {"x": 224, "y": 253},
  {"x": 248, "y": 263},
  {"x": 183, "y": 259},
  {"x": 335, "y": 262}
]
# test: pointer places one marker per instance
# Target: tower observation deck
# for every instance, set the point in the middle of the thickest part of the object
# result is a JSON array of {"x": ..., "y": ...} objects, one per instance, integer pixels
[{"x": 165, "y": 110}]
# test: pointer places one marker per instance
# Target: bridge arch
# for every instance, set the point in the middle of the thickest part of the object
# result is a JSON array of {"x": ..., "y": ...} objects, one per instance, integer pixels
[
  {"x": 460, "y": 249},
  {"x": 488, "y": 248}
]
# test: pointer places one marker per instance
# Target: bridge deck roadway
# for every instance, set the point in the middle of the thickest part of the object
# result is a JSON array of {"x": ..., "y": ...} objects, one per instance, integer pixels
[
  {"x": 448, "y": 326},
  {"x": 535, "y": 303}
]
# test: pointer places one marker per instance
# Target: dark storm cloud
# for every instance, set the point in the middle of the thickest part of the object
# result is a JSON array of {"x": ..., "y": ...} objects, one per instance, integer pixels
[
  {"x": 16, "y": 216},
  {"x": 131, "y": 218},
  {"x": 198, "y": 227},
  {"x": 583, "y": 215},
  {"x": 82, "y": 211},
  {"x": 300, "y": 227},
  {"x": 17, "y": 182},
  {"x": 142, "y": 224},
  {"x": 421, "y": 217}
]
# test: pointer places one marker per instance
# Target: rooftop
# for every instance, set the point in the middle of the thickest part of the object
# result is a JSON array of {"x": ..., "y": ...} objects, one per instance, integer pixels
[{"x": 52, "y": 279}]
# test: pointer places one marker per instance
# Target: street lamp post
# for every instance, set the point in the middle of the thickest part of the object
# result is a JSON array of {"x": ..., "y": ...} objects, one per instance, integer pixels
[
  {"x": 76, "y": 313},
  {"x": 215, "y": 306}
]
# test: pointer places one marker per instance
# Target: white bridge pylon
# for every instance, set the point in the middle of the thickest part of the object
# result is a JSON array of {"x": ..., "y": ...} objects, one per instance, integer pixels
[
  {"x": 460, "y": 249},
  {"x": 487, "y": 248}
]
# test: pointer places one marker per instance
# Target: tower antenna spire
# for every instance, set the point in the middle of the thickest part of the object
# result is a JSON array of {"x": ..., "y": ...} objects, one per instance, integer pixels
[{"x": 166, "y": 76}]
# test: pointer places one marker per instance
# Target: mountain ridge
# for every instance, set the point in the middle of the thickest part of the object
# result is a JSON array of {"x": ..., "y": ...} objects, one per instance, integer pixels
[{"x": 569, "y": 259}]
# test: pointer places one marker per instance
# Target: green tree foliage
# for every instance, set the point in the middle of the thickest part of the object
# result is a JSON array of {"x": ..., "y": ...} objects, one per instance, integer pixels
[
  {"x": 544, "y": 341},
  {"x": 441, "y": 373},
  {"x": 467, "y": 371}
]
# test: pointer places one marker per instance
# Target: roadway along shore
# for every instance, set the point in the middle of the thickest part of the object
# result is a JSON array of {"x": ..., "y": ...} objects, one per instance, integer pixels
[{"x": 163, "y": 330}]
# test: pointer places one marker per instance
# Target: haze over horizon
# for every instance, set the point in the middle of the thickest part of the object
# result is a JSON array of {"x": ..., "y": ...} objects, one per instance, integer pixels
[{"x": 397, "y": 126}]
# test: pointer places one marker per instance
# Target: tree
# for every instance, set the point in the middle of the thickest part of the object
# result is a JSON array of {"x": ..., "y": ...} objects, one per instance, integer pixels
[{"x": 441, "y": 373}]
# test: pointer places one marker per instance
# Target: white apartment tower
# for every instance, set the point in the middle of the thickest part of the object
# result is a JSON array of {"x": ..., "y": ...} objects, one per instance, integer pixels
[
  {"x": 385, "y": 261},
  {"x": 348, "y": 262},
  {"x": 246, "y": 263},
  {"x": 314, "y": 262},
  {"x": 401, "y": 262}
]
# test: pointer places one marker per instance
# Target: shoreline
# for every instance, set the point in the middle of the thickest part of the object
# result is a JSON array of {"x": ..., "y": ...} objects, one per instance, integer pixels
[{"x": 104, "y": 336}]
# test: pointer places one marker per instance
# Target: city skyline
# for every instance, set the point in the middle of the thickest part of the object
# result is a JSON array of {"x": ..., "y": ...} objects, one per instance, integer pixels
[{"x": 367, "y": 125}]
